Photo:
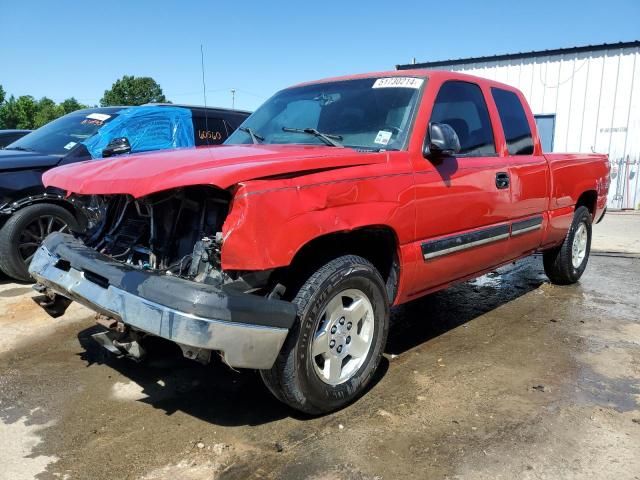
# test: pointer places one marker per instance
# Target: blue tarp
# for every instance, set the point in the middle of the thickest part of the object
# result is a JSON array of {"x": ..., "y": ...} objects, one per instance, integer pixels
[{"x": 147, "y": 128}]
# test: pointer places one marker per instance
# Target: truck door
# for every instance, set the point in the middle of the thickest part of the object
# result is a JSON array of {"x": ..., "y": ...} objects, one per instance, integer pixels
[
  {"x": 528, "y": 171},
  {"x": 463, "y": 201}
]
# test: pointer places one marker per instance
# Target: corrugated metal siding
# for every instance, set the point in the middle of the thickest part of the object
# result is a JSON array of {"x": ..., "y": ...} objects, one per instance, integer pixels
[{"x": 595, "y": 97}]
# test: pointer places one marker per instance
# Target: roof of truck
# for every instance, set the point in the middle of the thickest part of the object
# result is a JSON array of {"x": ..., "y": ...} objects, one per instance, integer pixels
[{"x": 422, "y": 73}]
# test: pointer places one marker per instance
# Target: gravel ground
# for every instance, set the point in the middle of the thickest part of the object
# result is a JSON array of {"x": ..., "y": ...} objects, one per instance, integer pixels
[{"x": 504, "y": 377}]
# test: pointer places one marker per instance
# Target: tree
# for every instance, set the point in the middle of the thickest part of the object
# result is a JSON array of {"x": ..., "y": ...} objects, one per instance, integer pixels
[
  {"x": 26, "y": 112},
  {"x": 46, "y": 110},
  {"x": 71, "y": 105},
  {"x": 18, "y": 113},
  {"x": 130, "y": 90}
]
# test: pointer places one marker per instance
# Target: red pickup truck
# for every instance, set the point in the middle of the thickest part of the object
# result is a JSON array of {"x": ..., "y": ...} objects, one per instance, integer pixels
[{"x": 284, "y": 248}]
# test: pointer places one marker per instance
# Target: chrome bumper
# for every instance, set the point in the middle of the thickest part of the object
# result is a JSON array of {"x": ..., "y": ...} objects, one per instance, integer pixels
[{"x": 243, "y": 345}]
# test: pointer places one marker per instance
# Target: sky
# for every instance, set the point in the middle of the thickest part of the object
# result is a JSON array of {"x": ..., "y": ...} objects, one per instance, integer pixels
[{"x": 69, "y": 48}]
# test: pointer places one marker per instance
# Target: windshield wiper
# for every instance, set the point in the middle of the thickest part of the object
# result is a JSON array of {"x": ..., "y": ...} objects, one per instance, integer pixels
[
  {"x": 20, "y": 149},
  {"x": 255, "y": 138},
  {"x": 327, "y": 138}
]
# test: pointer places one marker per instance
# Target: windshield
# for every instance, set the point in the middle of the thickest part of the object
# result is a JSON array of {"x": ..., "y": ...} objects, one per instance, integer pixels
[
  {"x": 370, "y": 113},
  {"x": 61, "y": 135}
]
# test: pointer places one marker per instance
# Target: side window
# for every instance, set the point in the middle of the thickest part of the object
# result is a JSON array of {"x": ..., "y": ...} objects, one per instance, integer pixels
[
  {"x": 209, "y": 131},
  {"x": 514, "y": 122},
  {"x": 461, "y": 105}
]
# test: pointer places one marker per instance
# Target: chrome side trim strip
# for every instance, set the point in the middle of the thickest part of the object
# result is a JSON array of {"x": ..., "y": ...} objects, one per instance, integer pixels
[
  {"x": 456, "y": 243},
  {"x": 526, "y": 225},
  {"x": 525, "y": 230},
  {"x": 458, "y": 248}
]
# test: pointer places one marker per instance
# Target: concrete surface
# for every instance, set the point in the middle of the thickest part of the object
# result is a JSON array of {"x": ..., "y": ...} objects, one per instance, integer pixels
[
  {"x": 503, "y": 377},
  {"x": 618, "y": 232}
]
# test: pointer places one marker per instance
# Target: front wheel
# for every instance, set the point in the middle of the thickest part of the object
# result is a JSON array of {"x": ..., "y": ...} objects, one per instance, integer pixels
[
  {"x": 335, "y": 347},
  {"x": 23, "y": 233},
  {"x": 566, "y": 264}
]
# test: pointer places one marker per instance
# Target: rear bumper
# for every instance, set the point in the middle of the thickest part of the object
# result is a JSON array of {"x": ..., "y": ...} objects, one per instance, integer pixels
[{"x": 248, "y": 329}]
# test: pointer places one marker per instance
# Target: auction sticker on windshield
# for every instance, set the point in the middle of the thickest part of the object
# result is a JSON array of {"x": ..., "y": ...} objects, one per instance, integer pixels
[
  {"x": 99, "y": 116},
  {"x": 398, "y": 82},
  {"x": 383, "y": 137}
]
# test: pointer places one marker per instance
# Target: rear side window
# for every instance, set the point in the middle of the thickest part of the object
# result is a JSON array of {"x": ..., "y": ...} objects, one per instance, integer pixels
[
  {"x": 209, "y": 131},
  {"x": 514, "y": 122},
  {"x": 461, "y": 105}
]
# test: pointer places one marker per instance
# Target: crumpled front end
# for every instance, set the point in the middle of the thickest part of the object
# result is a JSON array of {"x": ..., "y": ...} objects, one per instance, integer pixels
[{"x": 151, "y": 266}]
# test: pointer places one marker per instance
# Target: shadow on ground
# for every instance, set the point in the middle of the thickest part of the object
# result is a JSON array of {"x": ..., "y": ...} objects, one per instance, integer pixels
[{"x": 218, "y": 394}]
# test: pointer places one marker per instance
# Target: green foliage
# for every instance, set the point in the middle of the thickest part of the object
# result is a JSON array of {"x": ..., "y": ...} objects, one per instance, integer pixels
[
  {"x": 26, "y": 112},
  {"x": 46, "y": 111},
  {"x": 71, "y": 105},
  {"x": 131, "y": 90},
  {"x": 18, "y": 112}
]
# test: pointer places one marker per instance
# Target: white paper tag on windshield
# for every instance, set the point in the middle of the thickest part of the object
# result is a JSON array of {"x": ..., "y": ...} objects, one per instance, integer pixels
[
  {"x": 398, "y": 82},
  {"x": 70, "y": 145},
  {"x": 99, "y": 116},
  {"x": 383, "y": 137}
]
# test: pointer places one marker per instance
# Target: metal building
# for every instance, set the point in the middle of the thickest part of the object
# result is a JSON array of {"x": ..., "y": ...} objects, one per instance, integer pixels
[{"x": 584, "y": 99}]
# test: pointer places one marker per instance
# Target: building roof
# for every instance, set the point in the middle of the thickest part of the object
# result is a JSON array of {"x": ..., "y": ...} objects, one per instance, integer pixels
[{"x": 514, "y": 56}]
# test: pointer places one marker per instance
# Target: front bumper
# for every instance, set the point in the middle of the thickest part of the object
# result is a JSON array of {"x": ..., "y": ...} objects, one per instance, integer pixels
[{"x": 248, "y": 329}]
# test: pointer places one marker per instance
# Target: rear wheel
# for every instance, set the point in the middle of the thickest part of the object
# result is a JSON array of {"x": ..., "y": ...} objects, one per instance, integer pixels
[
  {"x": 23, "y": 233},
  {"x": 334, "y": 349},
  {"x": 566, "y": 264}
]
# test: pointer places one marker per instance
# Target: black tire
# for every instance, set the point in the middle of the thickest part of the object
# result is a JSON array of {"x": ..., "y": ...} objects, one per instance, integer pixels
[
  {"x": 558, "y": 261},
  {"x": 293, "y": 378},
  {"x": 14, "y": 253}
]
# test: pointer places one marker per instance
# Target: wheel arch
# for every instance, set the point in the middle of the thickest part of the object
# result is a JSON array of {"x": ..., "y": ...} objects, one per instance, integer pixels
[
  {"x": 52, "y": 198},
  {"x": 377, "y": 243},
  {"x": 589, "y": 199}
]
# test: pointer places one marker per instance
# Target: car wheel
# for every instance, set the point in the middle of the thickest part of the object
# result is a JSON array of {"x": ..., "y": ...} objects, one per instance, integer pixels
[
  {"x": 566, "y": 264},
  {"x": 23, "y": 233},
  {"x": 335, "y": 347}
]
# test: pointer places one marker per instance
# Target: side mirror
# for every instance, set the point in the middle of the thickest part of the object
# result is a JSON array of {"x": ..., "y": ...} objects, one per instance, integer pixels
[
  {"x": 442, "y": 141},
  {"x": 117, "y": 146}
]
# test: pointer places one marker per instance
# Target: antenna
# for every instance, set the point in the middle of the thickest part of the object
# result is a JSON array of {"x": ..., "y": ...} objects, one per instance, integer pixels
[
  {"x": 233, "y": 99},
  {"x": 204, "y": 94}
]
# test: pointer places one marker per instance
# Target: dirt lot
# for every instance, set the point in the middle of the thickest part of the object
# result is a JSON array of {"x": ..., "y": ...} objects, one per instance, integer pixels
[{"x": 504, "y": 377}]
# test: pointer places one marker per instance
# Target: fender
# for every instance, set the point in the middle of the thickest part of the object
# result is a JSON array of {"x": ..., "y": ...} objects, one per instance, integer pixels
[
  {"x": 574, "y": 174},
  {"x": 266, "y": 228},
  {"x": 57, "y": 198}
]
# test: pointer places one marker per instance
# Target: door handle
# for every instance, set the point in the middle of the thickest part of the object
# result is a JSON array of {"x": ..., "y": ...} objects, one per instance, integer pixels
[{"x": 502, "y": 180}]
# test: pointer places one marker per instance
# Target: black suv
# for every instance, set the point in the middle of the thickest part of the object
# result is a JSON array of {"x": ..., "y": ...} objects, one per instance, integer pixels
[
  {"x": 29, "y": 212},
  {"x": 10, "y": 136}
]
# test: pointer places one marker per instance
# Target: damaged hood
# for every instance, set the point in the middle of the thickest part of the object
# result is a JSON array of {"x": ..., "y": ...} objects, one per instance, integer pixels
[{"x": 221, "y": 166}]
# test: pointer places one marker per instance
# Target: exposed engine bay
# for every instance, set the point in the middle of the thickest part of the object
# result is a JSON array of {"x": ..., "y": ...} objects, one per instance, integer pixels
[{"x": 175, "y": 232}]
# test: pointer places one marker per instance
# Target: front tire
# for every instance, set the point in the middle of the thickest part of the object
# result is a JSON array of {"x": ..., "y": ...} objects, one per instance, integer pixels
[
  {"x": 565, "y": 264},
  {"x": 336, "y": 345},
  {"x": 23, "y": 233}
]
